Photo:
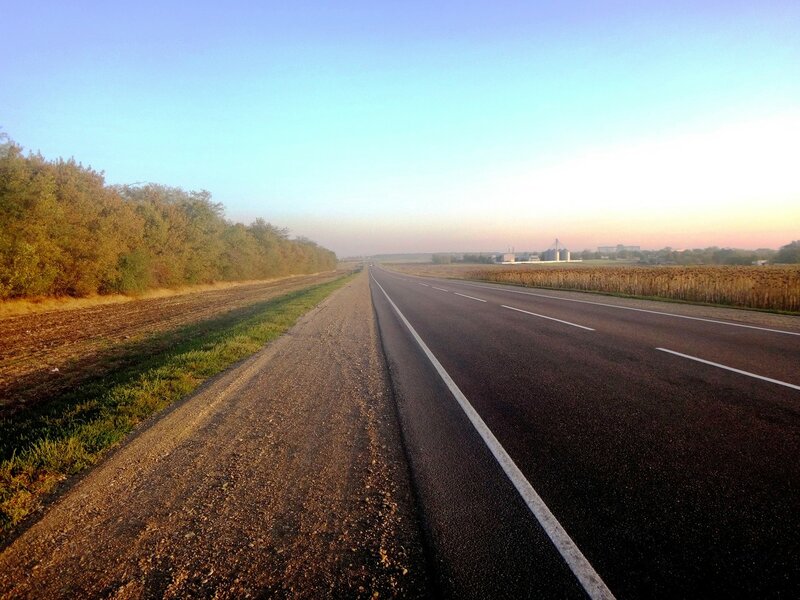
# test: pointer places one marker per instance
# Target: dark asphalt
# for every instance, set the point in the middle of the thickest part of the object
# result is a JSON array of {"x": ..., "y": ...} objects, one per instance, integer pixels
[{"x": 676, "y": 479}]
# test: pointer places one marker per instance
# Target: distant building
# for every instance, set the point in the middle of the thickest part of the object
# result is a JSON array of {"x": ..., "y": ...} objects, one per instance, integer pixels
[{"x": 508, "y": 257}]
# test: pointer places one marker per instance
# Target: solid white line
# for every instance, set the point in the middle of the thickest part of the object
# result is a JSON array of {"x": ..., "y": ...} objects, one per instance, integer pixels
[
  {"x": 748, "y": 373},
  {"x": 527, "y": 312},
  {"x": 440, "y": 289},
  {"x": 592, "y": 583},
  {"x": 470, "y": 297},
  {"x": 500, "y": 288}
]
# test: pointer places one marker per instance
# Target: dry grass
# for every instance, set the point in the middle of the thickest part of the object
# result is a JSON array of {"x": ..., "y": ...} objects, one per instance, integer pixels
[
  {"x": 767, "y": 288},
  {"x": 25, "y": 306}
]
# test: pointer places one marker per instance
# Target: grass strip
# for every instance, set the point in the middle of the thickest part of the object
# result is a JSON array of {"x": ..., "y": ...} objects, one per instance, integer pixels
[{"x": 47, "y": 445}]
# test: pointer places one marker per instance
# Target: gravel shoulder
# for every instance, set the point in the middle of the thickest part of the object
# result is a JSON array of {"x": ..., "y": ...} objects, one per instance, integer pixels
[{"x": 283, "y": 477}]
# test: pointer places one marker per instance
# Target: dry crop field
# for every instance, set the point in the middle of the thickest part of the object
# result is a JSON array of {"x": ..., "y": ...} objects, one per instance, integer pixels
[
  {"x": 44, "y": 353},
  {"x": 766, "y": 288}
]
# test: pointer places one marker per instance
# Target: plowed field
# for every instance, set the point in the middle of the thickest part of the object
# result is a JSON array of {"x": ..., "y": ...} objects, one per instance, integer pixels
[{"x": 46, "y": 353}]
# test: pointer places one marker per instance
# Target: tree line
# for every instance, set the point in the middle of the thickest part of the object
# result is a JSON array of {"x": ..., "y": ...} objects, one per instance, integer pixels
[
  {"x": 702, "y": 256},
  {"x": 788, "y": 254},
  {"x": 65, "y": 232}
]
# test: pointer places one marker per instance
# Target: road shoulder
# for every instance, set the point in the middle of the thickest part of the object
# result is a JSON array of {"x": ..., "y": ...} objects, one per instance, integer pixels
[{"x": 283, "y": 477}]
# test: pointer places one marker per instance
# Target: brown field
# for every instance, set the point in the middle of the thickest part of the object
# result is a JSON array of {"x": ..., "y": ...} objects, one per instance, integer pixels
[
  {"x": 48, "y": 351},
  {"x": 774, "y": 288},
  {"x": 27, "y": 306}
]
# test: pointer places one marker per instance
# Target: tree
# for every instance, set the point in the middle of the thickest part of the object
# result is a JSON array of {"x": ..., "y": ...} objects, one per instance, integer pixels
[
  {"x": 789, "y": 254},
  {"x": 28, "y": 213}
]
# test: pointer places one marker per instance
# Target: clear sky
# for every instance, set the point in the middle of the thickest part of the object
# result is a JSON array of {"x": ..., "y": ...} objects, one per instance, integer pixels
[{"x": 406, "y": 126}]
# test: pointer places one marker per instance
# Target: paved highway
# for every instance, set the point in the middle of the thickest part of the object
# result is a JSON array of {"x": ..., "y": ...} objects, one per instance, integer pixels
[{"x": 564, "y": 448}]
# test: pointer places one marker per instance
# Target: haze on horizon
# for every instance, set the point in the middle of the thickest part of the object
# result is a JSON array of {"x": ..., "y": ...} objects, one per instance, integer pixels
[{"x": 385, "y": 127}]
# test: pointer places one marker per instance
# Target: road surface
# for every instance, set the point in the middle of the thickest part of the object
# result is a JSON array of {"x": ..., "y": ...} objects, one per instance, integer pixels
[{"x": 664, "y": 448}]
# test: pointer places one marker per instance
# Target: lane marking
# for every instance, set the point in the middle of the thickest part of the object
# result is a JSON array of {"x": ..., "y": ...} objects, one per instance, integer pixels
[
  {"x": 440, "y": 289},
  {"x": 592, "y": 583},
  {"x": 498, "y": 288},
  {"x": 470, "y": 297},
  {"x": 527, "y": 312},
  {"x": 748, "y": 373},
  {"x": 425, "y": 284}
]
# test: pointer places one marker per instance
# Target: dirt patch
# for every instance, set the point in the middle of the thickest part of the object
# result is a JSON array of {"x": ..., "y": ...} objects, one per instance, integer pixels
[
  {"x": 284, "y": 477},
  {"x": 47, "y": 352}
]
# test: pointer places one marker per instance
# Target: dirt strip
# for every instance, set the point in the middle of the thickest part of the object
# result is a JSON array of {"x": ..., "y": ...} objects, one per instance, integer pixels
[{"x": 283, "y": 477}]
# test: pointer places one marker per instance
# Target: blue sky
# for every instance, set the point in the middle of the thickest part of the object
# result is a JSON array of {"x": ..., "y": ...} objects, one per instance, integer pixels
[{"x": 398, "y": 126}]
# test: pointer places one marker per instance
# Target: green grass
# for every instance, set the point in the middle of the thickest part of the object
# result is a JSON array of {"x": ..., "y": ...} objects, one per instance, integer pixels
[{"x": 45, "y": 445}]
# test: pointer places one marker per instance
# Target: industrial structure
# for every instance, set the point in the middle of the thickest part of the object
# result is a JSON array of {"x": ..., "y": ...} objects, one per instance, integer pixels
[
  {"x": 508, "y": 258},
  {"x": 556, "y": 253}
]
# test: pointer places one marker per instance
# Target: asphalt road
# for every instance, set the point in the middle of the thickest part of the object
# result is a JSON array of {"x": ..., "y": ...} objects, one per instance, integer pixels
[{"x": 675, "y": 478}]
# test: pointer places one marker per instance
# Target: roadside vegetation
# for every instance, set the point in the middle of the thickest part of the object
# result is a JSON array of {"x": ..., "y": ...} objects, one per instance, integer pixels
[
  {"x": 46, "y": 444},
  {"x": 774, "y": 288},
  {"x": 65, "y": 232}
]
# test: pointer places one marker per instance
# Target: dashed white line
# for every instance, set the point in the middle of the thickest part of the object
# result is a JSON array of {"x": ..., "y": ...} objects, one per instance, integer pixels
[
  {"x": 748, "y": 373},
  {"x": 644, "y": 310},
  {"x": 440, "y": 289},
  {"x": 591, "y": 581},
  {"x": 527, "y": 312},
  {"x": 425, "y": 284},
  {"x": 470, "y": 297}
]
